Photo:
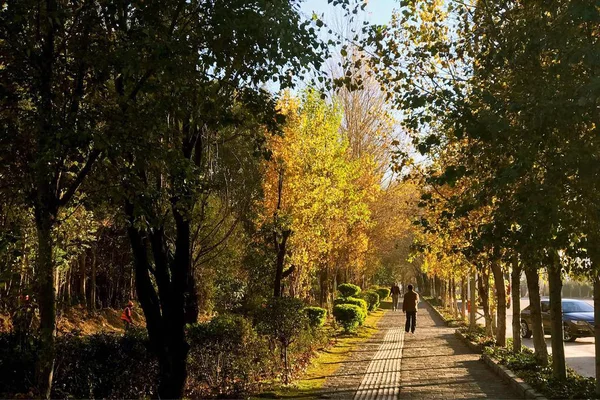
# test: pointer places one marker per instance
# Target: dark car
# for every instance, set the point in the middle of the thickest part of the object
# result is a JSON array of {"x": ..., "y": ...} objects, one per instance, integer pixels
[{"x": 578, "y": 319}]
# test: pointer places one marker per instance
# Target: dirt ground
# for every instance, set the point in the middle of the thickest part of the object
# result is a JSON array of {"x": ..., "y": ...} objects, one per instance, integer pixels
[{"x": 81, "y": 319}]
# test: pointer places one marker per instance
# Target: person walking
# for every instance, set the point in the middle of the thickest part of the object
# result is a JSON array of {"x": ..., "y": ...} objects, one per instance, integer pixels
[
  {"x": 126, "y": 316},
  {"x": 395, "y": 291},
  {"x": 409, "y": 307}
]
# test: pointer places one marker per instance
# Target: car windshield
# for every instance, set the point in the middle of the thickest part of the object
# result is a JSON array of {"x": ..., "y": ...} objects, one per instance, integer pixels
[{"x": 576, "y": 306}]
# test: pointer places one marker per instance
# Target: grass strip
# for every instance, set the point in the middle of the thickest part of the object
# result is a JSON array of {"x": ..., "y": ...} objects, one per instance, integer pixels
[{"x": 327, "y": 362}]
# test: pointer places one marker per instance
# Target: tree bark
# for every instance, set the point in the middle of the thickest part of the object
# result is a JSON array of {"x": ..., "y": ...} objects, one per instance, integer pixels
[
  {"x": 473, "y": 299},
  {"x": 165, "y": 311},
  {"x": 454, "y": 302},
  {"x": 46, "y": 204},
  {"x": 483, "y": 280},
  {"x": 92, "y": 287},
  {"x": 68, "y": 279},
  {"x": 447, "y": 296},
  {"x": 324, "y": 288},
  {"x": 501, "y": 308},
  {"x": 82, "y": 279},
  {"x": 559, "y": 366},
  {"x": 279, "y": 243},
  {"x": 516, "y": 304},
  {"x": 46, "y": 278},
  {"x": 280, "y": 248},
  {"x": 463, "y": 298},
  {"x": 535, "y": 307}
]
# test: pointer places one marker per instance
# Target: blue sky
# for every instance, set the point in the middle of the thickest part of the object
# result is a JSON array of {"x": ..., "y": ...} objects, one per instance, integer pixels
[{"x": 377, "y": 11}]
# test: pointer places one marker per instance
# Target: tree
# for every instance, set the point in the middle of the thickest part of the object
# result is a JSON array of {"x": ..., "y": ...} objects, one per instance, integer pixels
[
  {"x": 197, "y": 103},
  {"x": 311, "y": 196},
  {"x": 53, "y": 73}
]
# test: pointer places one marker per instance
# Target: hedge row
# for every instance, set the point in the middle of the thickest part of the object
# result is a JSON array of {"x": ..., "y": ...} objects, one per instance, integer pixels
[
  {"x": 228, "y": 356},
  {"x": 350, "y": 309}
]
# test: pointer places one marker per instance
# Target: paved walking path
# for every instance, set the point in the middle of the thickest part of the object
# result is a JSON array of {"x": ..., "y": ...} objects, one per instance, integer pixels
[{"x": 432, "y": 364}]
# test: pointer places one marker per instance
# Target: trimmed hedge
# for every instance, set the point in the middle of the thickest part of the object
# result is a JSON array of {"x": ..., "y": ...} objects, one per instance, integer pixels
[
  {"x": 349, "y": 316},
  {"x": 372, "y": 299},
  {"x": 348, "y": 290},
  {"x": 316, "y": 316},
  {"x": 354, "y": 301},
  {"x": 383, "y": 293},
  {"x": 103, "y": 365},
  {"x": 282, "y": 319},
  {"x": 227, "y": 357}
]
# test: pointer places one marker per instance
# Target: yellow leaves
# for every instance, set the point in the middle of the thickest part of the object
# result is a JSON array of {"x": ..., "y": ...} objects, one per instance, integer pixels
[{"x": 324, "y": 192}]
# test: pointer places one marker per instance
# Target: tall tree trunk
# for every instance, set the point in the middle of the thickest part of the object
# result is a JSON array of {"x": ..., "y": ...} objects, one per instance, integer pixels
[
  {"x": 46, "y": 204},
  {"x": 68, "y": 279},
  {"x": 473, "y": 300},
  {"x": 444, "y": 293},
  {"x": 173, "y": 385},
  {"x": 463, "y": 298},
  {"x": 559, "y": 366},
  {"x": 483, "y": 280},
  {"x": 279, "y": 243},
  {"x": 92, "y": 287},
  {"x": 46, "y": 278},
  {"x": 165, "y": 312},
  {"x": 535, "y": 307},
  {"x": 516, "y": 304},
  {"x": 454, "y": 303},
  {"x": 324, "y": 288},
  {"x": 82, "y": 279},
  {"x": 501, "y": 305},
  {"x": 280, "y": 247}
]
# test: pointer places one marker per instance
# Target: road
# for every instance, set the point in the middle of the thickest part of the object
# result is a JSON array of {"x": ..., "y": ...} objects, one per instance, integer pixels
[{"x": 580, "y": 354}]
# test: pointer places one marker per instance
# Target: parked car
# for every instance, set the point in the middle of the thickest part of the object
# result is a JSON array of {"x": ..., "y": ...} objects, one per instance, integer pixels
[{"x": 578, "y": 319}]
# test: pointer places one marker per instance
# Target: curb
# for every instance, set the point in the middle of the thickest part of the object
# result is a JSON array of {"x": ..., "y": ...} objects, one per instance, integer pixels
[
  {"x": 439, "y": 315},
  {"x": 526, "y": 391},
  {"x": 513, "y": 380},
  {"x": 476, "y": 348},
  {"x": 436, "y": 312}
]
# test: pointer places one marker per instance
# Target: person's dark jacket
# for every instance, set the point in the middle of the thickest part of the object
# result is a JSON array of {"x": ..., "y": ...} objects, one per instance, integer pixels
[{"x": 411, "y": 299}]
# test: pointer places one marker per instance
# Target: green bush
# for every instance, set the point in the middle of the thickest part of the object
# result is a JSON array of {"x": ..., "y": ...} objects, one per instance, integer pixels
[
  {"x": 226, "y": 357},
  {"x": 283, "y": 320},
  {"x": 525, "y": 366},
  {"x": 316, "y": 316},
  {"x": 354, "y": 301},
  {"x": 383, "y": 293},
  {"x": 349, "y": 316},
  {"x": 348, "y": 290},
  {"x": 103, "y": 365},
  {"x": 372, "y": 299}
]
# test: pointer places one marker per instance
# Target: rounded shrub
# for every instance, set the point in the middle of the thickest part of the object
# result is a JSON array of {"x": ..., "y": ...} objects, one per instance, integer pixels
[
  {"x": 354, "y": 301},
  {"x": 105, "y": 365},
  {"x": 372, "y": 299},
  {"x": 383, "y": 293},
  {"x": 226, "y": 357},
  {"x": 349, "y": 316},
  {"x": 348, "y": 290},
  {"x": 316, "y": 316},
  {"x": 283, "y": 320}
]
